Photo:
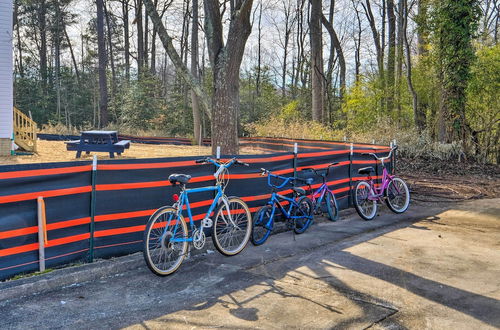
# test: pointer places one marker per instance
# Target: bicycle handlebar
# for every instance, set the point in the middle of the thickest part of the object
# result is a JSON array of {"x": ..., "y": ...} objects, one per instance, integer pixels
[
  {"x": 381, "y": 158},
  {"x": 216, "y": 162},
  {"x": 316, "y": 172}
]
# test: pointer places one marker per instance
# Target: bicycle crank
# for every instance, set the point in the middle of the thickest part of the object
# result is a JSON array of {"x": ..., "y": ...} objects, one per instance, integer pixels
[{"x": 199, "y": 239}]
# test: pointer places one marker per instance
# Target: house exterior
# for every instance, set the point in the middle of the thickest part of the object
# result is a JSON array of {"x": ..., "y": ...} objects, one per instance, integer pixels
[{"x": 6, "y": 76}]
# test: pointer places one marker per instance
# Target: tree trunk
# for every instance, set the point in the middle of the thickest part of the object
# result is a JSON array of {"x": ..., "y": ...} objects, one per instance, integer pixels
[
  {"x": 42, "y": 21},
  {"x": 57, "y": 49},
  {"x": 110, "y": 52},
  {"x": 338, "y": 47},
  {"x": 140, "y": 37},
  {"x": 317, "y": 76},
  {"x": 399, "y": 54},
  {"x": 418, "y": 114},
  {"x": 391, "y": 56},
  {"x": 126, "y": 36},
  {"x": 226, "y": 62},
  {"x": 101, "y": 46},
  {"x": 194, "y": 71},
  {"x": 73, "y": 58}
]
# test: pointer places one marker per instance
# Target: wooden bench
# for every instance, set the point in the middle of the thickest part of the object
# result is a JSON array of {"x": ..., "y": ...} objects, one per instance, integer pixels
[{"x": 100, "y": 141}]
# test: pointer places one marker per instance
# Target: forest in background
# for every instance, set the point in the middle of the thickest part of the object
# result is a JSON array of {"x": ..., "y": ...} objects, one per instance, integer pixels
[{"x": 426, "y": 72}]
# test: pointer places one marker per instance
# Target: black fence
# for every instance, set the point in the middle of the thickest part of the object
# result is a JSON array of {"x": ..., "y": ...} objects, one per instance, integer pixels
[{"x": 102, "y": 213}]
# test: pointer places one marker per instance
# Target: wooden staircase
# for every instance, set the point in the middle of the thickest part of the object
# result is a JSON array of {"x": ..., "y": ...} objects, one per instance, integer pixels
[{"x": 24, "y": 131}]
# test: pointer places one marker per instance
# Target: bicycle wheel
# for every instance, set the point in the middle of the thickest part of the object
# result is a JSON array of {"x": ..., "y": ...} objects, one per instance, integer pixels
[
  {"x": 262, "y": 225},
  {"x": 162, "y": 255},
  {"x": 397, "y": 196},
  {"x": 329, "y": 206},
  {"x": 231, "y": 237},
  {"x": 304, "y": 214},
  {"x": 366, "y": 208}
]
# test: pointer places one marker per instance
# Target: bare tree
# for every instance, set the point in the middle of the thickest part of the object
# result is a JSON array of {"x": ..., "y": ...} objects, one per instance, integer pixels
[
  {"x": 101, "y": 46},
  {"x": 391, "y": 55},
  {"x": 194, "y": 71},
  {"x": 317, "y": 74},
  {"x": 226, "y": 61}
]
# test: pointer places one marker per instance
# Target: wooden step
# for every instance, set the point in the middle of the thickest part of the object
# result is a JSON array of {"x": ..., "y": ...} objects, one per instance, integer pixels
[{"x": 25, "y": 131}]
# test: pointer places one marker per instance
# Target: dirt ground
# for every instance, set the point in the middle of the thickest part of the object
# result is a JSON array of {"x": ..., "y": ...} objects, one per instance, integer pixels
[{"x": 55, "y": 151}]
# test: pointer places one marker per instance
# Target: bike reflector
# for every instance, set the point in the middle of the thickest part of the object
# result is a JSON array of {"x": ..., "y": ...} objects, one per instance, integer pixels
[{"x": 175, "y": 197}]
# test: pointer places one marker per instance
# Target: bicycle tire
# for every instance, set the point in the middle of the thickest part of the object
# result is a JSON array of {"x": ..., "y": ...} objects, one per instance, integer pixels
[
  {"x": 305, "y": 207},
  {"x": 359, "y": 208},
  {"x": 331, "y": 206},
  {"x": 220, "y": 238},
  {"x": 389, "y": 194},
  {"x": 157, "y": 263},
  {"x": 261, "y": 220}
]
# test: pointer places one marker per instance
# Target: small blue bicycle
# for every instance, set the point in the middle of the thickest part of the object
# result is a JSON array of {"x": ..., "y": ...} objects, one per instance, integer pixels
[
  {"x": 299, "y": 214},
  {"x": 166, "y": 236}
]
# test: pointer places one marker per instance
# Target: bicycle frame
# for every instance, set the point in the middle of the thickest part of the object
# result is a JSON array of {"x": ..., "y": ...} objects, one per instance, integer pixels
[
  {"x": 377, "y": 193},
  {"x": 184, "y": 202},
  {"x": 275, "y": 203}
]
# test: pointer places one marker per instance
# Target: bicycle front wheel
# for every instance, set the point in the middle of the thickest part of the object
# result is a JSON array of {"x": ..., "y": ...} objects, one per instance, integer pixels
[
  {"x": 304, "y": 215},
  {"x": 329, "y": 206},
  {"x": 165, "y": 244},
  {"x": 262, "y": 225},
  {"x": 397, "y": 195},
  {"x": 366, "y": 207},
  {"x": 232, "y": 226}
]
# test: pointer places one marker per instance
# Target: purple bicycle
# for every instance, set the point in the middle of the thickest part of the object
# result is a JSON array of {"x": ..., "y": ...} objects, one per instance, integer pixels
[{"x": 393, "y": 189}]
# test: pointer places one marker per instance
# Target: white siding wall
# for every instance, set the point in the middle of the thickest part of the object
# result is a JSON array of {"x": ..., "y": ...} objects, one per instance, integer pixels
[{"x": 6, "y": 69}]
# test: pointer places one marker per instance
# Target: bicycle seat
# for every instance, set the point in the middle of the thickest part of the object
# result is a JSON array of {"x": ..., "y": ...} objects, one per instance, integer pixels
[
  {"x": 179, "y": 178},
  {"x": 299, "y": 191},
  {"x": 366, "y": 170}
]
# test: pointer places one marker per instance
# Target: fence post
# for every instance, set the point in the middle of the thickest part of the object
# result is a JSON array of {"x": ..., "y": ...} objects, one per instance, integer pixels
[
  {"x": 394, "y": 158},
  {"x": 92, "y": 209},
  {"x": 217, "y": 156},
  {"x": 349, "y": 199},
  {"x": 42, "y": 233},
  {"x": 295, "y": 152}
]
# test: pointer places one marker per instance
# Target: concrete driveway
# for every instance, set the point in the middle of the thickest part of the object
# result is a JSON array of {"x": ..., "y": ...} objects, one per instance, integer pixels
[{"x": 434, "y": 267}]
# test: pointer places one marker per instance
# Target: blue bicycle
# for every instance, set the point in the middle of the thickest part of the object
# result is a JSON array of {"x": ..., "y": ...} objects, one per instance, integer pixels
[
  {"x": 166, "y": 236},
  {"x": 299, "y": 214}
]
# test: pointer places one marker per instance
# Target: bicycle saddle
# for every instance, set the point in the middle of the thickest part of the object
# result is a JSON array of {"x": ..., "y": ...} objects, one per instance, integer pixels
[
  {"x": 179, "y": 178},
  {"x": 366, "y": 170},
  {"x": 299, "y": 191}
]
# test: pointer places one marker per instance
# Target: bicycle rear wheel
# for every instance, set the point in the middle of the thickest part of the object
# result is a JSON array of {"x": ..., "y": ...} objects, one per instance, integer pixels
[
  {"x": 262, "y": 225},
  {"x": 162, "y": 255},
  {"x": 397, "y": 196},
  {"x": 231, "y": 237},
  {"x": 366, "y": 208},
  {"x": 304, "y": 214}
]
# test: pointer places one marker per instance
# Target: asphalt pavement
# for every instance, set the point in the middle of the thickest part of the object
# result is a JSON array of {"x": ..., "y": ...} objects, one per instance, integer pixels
[{"x": 436, "y": 266}]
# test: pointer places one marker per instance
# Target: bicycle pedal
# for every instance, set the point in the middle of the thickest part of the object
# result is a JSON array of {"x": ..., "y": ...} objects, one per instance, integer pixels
[{"x": 207, "y": 223}]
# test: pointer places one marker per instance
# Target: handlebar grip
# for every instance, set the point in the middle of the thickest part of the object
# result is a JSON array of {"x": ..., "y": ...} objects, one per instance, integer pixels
[
  {"x": 241, "y": 163},
  {"x": 333, "y": 164},
  {"x": 200, "y": 161}
]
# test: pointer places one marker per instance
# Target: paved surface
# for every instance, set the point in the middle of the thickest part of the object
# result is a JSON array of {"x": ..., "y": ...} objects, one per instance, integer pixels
[{"x": 434, "y": 267}]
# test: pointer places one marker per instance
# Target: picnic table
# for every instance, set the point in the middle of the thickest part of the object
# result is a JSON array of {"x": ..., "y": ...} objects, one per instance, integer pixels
[{"x": 101, "y": 141}]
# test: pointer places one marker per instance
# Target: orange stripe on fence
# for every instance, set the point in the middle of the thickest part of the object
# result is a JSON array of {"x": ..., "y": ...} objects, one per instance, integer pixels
[
  {"x": 18, "y": 232},
  {"x": 50, "y": 171},
  {"x": 323, "y": 153},
  {"x": 18, "y": 249},
  {"x": 45, "y": 194},
  {"x": 108, "y": 167},
  {"x": 124, "y": 215},
  {"x": 118, "y": 231}
]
